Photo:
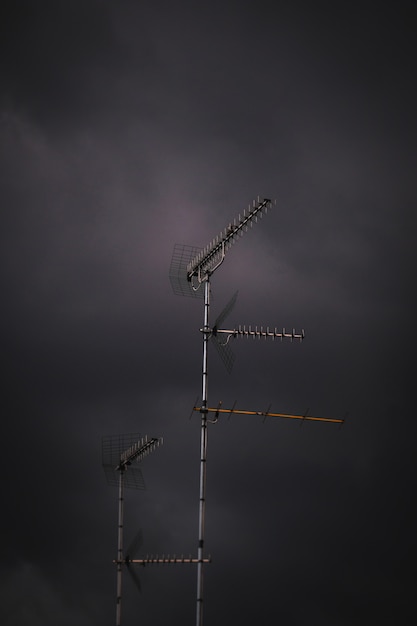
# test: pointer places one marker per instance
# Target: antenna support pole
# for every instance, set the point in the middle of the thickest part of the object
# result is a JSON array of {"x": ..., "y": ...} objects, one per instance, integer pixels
[
  {"x": 190, "y": 269},
  {"x": 203, "y": 455},
  {"x": 120, "y": 549}
]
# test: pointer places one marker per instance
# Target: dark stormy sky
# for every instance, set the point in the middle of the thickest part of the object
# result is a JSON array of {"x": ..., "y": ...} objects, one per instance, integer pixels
[{"x": 128, "y": 127}]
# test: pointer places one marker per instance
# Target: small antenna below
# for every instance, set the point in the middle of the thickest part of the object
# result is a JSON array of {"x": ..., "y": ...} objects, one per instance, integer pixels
[{"x": 119, "y": 454}]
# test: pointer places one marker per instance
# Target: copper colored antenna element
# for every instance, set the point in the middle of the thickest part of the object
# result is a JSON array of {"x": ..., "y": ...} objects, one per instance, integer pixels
[{"x": 264, "y": 414}]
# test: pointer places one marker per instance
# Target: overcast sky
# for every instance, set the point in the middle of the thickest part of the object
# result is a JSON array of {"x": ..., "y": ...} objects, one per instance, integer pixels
[{"x": 129, "y": 127}]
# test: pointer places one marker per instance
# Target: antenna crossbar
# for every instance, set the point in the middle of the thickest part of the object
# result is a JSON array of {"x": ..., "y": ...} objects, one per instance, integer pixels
[{"x": 310, "y": 418}]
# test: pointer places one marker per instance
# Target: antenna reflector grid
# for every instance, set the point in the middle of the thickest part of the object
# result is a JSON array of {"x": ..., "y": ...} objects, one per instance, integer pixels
[
  {"x": 181, "y": 258},
  {"x": 112, "y": 449}
]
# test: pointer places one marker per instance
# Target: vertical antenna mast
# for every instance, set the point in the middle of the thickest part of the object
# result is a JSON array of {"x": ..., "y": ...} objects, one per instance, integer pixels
[
  {"x": 203, "y": 455},
  {"x": 191, "y": 268}
]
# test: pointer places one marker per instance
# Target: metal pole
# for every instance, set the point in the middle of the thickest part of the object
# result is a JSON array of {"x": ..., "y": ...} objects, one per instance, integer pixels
[
  {"x": 203, "y": 456},
  {"x": 120, "y": 549}
]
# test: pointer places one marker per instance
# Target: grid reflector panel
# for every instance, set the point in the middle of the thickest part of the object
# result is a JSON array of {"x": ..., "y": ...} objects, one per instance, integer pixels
[
  {"x": 181, "y": 258},
  {"x": 112, "y": 448}
]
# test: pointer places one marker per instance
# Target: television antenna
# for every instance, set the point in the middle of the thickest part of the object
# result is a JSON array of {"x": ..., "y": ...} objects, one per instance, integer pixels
[
  {"x": 190, "y": 272},
  {"x": 302, "y": 418},
  {"x": 152, "y": 559},
  {"x": 119, "y": 454}
]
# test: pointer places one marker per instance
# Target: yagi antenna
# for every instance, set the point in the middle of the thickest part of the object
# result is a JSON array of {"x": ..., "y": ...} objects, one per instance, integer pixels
[
  {"x": 191, "y": 266},
  {"x": 221, "y": 336},
  {"x": 208, "y": 260},
  {"x": 130, "y": 559},
  {"x": 152, "y": 559},
  {"x": 121, "y": 453},
  {"x": 303, "y": 418}
]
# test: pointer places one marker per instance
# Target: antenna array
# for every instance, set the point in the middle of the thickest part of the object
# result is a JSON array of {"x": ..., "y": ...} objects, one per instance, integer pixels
[
  {"x": 188, "y": 273},
  {"x": 192, "y": 267},
  {"x": 223, "y": 347}
]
